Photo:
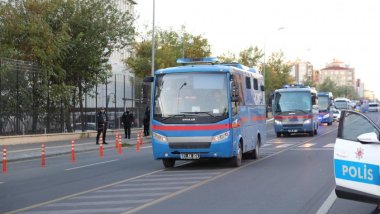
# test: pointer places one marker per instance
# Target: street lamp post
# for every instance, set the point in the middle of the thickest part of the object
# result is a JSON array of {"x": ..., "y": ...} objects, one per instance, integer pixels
[
  {"x": 153, "y": 40},
  {"x": 265, "y": 38}
]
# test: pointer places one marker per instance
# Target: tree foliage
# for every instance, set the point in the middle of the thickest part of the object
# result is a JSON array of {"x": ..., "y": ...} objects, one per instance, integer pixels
[
  {"x": 251, "y": 56},
  {"x": 169, "y": 46},
  {"x": 71, "y": 41}
]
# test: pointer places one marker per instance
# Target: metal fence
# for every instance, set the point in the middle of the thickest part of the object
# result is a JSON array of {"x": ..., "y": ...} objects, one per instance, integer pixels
[{"x": 29, "y": 106}]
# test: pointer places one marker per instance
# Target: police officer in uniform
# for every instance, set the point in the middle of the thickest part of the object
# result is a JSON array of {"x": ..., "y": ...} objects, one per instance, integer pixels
[
  {"x": 102, "y": 120},
  {"x": 127, "y": 120}
]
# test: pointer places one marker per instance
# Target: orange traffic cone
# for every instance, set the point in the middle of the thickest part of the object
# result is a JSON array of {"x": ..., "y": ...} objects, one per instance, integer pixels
[
  {"x": 117, "y": 140},
  {"x": 43, "y": 155},
  {"x": 120, "y": 146},
  {"x": 72, "y": 151},
  {"x": 4, "y": 159},
  {"x": 141, "y": 138},
  {"x": 101, "y": 147},
  {"x": 138, "y": 142}
]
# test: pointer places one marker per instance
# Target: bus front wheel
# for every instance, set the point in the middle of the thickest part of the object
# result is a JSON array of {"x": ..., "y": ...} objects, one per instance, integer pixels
[
  {"x": 168, "y": 162},
  {"x": 236, "y": 160}
]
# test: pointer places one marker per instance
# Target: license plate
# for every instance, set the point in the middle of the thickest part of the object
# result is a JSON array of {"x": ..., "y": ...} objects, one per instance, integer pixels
[
  {"x": 190, "y": 156},
  {"x": 293, "y": 130}
]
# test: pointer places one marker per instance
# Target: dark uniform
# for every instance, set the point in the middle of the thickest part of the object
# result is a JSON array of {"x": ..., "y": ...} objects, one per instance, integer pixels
[
  {"x": 102, "y": 120},
  {"x": 146, "y": 121},
  {"x": 127, "y": 120}
]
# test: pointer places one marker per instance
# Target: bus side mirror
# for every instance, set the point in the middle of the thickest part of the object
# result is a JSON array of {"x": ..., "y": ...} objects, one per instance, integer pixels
[
  {"x": 234, "y": 93},
  {"x": 262, "y": 88},
  {"x": 148, "y": 79}
]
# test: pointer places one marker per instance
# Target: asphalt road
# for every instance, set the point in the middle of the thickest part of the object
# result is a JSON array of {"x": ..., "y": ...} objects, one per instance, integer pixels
[{"x": 293, "y": 175}]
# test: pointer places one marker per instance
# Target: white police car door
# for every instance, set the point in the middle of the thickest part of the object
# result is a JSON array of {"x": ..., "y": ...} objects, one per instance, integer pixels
[{"x": 357, "y": 158}]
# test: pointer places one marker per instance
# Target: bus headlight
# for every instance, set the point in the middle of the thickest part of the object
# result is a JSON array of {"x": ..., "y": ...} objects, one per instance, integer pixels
[
  {"x": 160, "y": 137},
  {"x": 308, "y": 121},
  {"x": 220, "y": 137},
  {"x": 277, "y": 122}
]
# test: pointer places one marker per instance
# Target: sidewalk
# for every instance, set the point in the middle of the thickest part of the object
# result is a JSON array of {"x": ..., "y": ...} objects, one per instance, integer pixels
[{"x": 17, "y": 152}]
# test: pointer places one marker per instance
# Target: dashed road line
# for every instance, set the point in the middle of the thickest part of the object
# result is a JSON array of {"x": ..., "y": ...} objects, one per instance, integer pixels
[
  {"x": 330, "y": 145},
  {"x": 283, "y": 145},
  {"x": 80, "y": 211},
  {"x": 306, "y": 145},
  {"x": 94, "y": 164}
]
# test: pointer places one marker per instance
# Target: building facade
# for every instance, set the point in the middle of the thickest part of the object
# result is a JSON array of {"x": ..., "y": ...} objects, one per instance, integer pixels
[
  {"x": 340, "y": 73},
  {"x": 302, "y": 71}
]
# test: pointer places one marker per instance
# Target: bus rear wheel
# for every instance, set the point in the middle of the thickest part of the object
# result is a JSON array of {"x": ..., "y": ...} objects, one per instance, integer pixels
[{"x": 168, "y": 162}]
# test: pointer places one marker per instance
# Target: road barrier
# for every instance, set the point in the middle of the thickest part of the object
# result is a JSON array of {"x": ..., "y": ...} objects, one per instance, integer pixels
[
  {"x": 43, "y": 163},
  {"x": 4, "y": 159},
  {"x": 72, "y": 151}
]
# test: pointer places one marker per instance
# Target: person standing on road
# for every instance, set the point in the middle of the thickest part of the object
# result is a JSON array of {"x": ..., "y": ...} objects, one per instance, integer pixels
[
  {"x": 146, "y": 121},
  {"x": 102, "y": 120},
  {"x": 127, "y": 120}
]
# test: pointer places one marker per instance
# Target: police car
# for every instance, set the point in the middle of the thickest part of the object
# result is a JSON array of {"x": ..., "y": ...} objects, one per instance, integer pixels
[{"x": 357, "y": 158}]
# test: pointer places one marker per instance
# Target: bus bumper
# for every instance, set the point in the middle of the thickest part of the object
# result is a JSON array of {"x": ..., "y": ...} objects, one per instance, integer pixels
[
  {"x": 293, "y": 128},
  {"x": 221, "y": 149}
]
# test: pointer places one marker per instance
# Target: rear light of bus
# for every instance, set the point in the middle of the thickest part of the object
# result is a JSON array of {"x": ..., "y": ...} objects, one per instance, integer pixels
[
  {"x": 220, "y": 137},
  {"x": 159, "y": 137}
]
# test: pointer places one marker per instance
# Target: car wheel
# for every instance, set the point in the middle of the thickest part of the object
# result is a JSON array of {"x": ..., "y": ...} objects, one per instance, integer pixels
[
  {"x": 278, "y": 134},
  {"x": 168, "y": 162}
]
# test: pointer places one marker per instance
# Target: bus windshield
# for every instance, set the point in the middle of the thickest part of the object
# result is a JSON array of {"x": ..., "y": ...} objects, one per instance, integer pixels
[
  {"x": 292, "y": 101},
  {"x": 190, "y": 98},
  {"x": 323, "y": 103},
  {"x": 341, "y": 104}
]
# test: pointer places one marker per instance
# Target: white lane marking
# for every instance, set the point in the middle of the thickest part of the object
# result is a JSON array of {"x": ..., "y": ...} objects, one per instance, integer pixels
[
  {"x": 174, "y": 178},
  {"x": 183, "y": 174},
  {"x": 82, "y": 193},
  {"x": 81, "y": 211},
  {"x": 307, "y": 145},
  {"x": 283, "y": 145},
  {"x": 154, "y": 183},
  {"x": 97, "y": 203},
  {"x": 113, "y": 195},
  {"x": 328, "y": 203},
  {"x": 140, "y": 189},
  {"x": 79, "y": 167},
  {"x": 330, "y": 145},
  {"x": 312, "y": 149}
]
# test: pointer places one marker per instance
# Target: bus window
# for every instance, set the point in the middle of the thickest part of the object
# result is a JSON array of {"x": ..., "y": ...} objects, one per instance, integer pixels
[
  {"x": 248, "y": 82},
  {"x": 255, "y": 84}
]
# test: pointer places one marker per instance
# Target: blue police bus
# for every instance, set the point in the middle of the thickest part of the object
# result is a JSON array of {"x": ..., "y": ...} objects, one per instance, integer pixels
[
  {"x": 325, "y": 105},
  {"x": 203, "y": 109},
  {"x": 295, "y": 110}
]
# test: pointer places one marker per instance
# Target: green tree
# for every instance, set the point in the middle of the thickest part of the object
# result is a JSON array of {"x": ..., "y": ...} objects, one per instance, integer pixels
[
  {"x": 251, "y": 56},
  {"x": 277, "y": 72},
  {"x": 228, "y": 57},
  {"x": 96, "y": 28},
  {"x": 169, "y": 46},
  {"x": 329, "y": 86},
  {"x": 31, "y": 31}
]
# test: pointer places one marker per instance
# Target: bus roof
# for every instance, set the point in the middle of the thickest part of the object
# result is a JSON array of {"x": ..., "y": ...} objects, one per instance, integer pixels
[
  {"x": 223, "y": 68},
  {"x": 295, "y": 90},
  {"x": 325, "y": 93}
]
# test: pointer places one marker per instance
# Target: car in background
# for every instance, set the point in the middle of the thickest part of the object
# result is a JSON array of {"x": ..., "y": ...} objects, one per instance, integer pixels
[
  {"x": 336, "y": 114},
  {"x": 357, "y": 159},
  {"x": 87, "y": 127},
  {"x": 374, "y": 107}
]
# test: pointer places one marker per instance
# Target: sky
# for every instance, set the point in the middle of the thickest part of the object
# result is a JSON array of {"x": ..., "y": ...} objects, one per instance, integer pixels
[{"x": 314, "y": 31}]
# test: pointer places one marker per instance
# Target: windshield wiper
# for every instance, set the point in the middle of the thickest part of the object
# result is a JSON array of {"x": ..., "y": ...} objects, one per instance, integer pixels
[
  {"x": 199, "y": 112},
  {"x": 183, "y": 114}
]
